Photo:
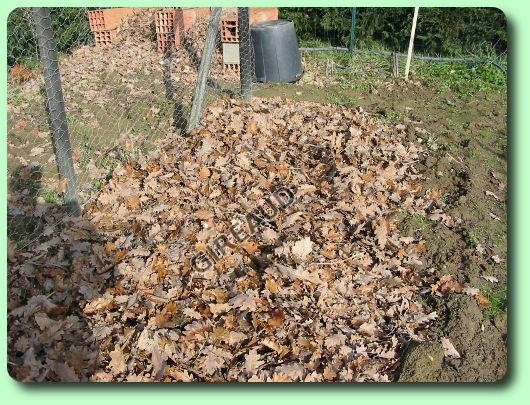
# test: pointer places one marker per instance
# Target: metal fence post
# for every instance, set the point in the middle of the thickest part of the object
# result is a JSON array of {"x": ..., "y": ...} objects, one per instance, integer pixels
[
  {"x": 206, "y": 59},
  {"x": 245, "y": 56},
  {"x": 352, "y": 30},
  {"x": 55, "y": 103}
]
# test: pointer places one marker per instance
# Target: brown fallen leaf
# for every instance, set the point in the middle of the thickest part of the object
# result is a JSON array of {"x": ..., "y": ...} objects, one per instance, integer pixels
[
  {"x": 272, "y": 285},
  {"x": 492, "y": 194},
  {"x": 117, "y": 363},
  {"x": 252, "y": 362},
  {"x": 203, "y": 214},
  {"x": 302, "y": 248},
  {"x": 252, "y": 127},
  {"x": 61, "y": 188},
  {"x": 449, "y": 349},
  {"x": 483, "y": 301},
  {"x": 495, "y": 217},
  {"x": 158, "y": 361},
  {"x": 491, "y": 279},
  {"x": 497, "y": 259},
  {"x": 204, "y": 173},
  {"x": 276, "y": 318}
]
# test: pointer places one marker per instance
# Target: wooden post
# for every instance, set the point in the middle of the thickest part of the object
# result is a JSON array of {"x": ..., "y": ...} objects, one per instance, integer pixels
[
  {"x": 411, "y": 42},
  {"x": 206, "y": 59},
  {"x": 55, "y": 102},
  {"x": 395, "y": 64}
]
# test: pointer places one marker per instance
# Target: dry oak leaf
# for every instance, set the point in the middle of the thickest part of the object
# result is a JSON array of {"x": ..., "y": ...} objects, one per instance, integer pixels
[
  {"x": 335, "y": 340},
  {"x": 158, "y": 360},
  {"x": 492, "y": 194},
  {"x": 449, "y": 349},
  {"x": 99, "y": 304},
  {"x": 471, "y": 291},
  {"x": 252, "y": 127},
  {"x": 250, "y": 247},
  {"x": 203, "y": 214},
  {"x": 369, "y": 329},
  {"x": 36, "y": 151},
  {"x": 298, "y": 273},
  {"x": 451, "y": 285},
  {"x": 279, "y": 377},
  {"x": 302, "y": 248},
  {"x": 483, "y": 301},
  {"x": 217, "y": 309},
  {"x": 117, "y": 363},
  {"x": 276, "y": 319},
  {"x": 491, "y": 279},
  {"x": 204, "y": 173},
  {"x": 381, "y": 232},
  {"x": 277, "y": 347},
  {"x": 65, "y": 372},
  {"x": 252, "y": 362},
  {"x": 220, "y": 334},
  {"x": 236, "y": 337},
  {"x": 497, "y": 259},
  {"x": 61, "y": 188},
  {"x": 244, "y": 302},
  {"x": 272, "y": 285},
  {"x": 495, "y": 217},
  {"x": 293, "y": 370}
]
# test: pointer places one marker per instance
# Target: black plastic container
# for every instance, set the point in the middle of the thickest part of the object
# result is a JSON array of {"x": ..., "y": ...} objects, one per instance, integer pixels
[{"x": 276, "y": 54}]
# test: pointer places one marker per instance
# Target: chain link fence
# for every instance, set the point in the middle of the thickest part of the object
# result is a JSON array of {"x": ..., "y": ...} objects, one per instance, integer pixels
[{"x": 127, "y": 78}]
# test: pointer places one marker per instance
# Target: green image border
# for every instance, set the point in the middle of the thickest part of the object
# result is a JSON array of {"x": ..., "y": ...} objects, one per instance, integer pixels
[{"x": 513, "y": 388}]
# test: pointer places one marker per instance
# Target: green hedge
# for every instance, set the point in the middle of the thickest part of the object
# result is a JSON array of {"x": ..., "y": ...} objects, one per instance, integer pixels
[
  {"x": 70, "y": 25},
  {"x": 447, "y": 31}
]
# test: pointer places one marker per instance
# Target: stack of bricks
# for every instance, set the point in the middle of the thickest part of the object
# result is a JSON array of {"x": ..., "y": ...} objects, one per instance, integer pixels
[
  {"x": 185, "y": 17},
  {"x": 230, "y": 32},
  {"x": 170, "y": 24},
  {"x": 230, "y": 40},
  {"x": 104, "y": 22},
  {"x": 164, "y": 27}
]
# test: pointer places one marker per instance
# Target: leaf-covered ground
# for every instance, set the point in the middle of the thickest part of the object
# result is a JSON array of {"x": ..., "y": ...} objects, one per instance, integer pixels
[
  {"x": 322, "y": 287},
  {"x": 384, "y": 256}
]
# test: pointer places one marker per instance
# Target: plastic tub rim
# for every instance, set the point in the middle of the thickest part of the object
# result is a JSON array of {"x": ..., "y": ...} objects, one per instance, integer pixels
[{"x": 270, "y": 23}]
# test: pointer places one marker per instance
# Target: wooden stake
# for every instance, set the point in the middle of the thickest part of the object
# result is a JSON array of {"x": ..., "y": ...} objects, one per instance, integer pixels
[
  {"x": 411, "y": 42},
  {"x": 395, "y": 64}
]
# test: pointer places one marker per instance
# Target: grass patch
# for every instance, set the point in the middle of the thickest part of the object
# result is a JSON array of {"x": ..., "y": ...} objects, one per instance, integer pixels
[
  {"x": 465, "y": 81},
  {"x": 498, "y": 297},
  {"x": 417, "y": 221},
  {"x": 50, "y": 196},
  {"x": 473, "y": 239},
  {"x": 462, "y": 77}
]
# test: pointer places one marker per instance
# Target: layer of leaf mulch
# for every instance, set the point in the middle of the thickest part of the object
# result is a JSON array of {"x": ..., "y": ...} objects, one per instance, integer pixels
[{"x": 323, "y": 288}]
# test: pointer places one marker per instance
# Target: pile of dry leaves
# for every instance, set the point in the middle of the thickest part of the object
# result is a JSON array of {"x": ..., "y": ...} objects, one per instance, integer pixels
[
  {"x": 263, "y": 247},
  {"x": 134, "y": 50}
]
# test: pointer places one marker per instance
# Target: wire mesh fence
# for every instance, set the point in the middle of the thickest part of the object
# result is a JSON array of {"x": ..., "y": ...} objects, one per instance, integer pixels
[
  {"x": 128, "y": 78},
  {"x": 348, "y": 42}
]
